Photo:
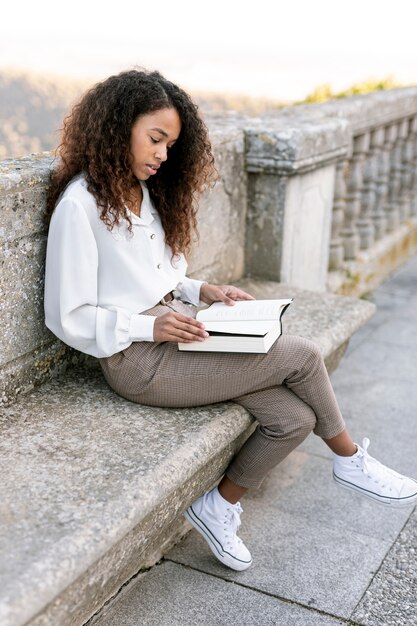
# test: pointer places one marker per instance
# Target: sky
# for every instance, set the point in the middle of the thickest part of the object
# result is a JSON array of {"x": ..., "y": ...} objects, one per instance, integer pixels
[{"x": 261, "y": 48}]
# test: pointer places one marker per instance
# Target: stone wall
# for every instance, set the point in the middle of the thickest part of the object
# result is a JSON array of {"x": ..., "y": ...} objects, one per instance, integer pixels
[
  {"x": 30, "y": 353},
  {"x": 219, "y": 254}
]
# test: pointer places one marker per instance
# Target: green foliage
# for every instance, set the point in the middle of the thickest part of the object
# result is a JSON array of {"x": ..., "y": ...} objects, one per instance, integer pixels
[{"x": 324, "y": 92}]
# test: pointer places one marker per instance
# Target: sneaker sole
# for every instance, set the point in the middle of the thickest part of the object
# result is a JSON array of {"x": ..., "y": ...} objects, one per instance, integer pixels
[
  {"x": 224, "y": 557},
  {"x": 396, "y": 502}
]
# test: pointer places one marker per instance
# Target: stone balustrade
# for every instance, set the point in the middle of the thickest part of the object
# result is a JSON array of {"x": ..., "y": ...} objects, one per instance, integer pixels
[{"x": 374, "y": 217}]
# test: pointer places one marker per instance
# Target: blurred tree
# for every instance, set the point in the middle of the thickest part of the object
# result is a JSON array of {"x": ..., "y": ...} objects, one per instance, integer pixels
[{"x": 324, "y": 92}]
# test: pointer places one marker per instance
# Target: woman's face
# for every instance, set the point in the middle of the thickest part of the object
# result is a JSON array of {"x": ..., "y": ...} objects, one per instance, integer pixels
[{"x": 151, "y": 137}]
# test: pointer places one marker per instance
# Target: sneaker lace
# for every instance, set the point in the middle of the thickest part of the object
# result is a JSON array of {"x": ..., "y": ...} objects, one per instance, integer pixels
[
  {"x": 375, "y": 470},
  {"x": 232, "y": 524}
]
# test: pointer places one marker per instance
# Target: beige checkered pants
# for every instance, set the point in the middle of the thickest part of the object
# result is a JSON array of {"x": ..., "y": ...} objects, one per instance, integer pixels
[{"x": 288, "y": 391}]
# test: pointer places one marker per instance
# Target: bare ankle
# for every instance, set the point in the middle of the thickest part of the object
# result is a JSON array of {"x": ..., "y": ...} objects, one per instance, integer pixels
[
  {"x": 230, "y": 491},
  {"x": 342, "y": 444}
]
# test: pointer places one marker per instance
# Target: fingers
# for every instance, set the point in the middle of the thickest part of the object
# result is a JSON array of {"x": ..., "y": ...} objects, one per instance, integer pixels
[
  {"x": 175, "y": 327},
  {"x": 222, "y": 297},
  {"x": 233, "y": 294},
  {"x": 223, "y": 293},
  {"x": 242, "y": 295}
]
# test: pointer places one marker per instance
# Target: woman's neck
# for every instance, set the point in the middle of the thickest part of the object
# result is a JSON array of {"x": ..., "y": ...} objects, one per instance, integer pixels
[{"x": 135, "y": 199}]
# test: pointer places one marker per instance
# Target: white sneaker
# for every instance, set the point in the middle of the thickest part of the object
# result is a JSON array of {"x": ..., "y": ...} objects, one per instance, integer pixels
[
  {"x": 218, "y": 521},
  {"x": 362, "y": 473}
]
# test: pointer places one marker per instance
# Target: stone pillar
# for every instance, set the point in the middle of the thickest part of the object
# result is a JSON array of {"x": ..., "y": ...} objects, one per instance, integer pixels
[
  {"x": 350, "y": 233},
  {"x": 336, "y": 255},
  {"x": 307, "y": 225},
  {"x": 381, "y": 192},
  {"x": 413, "y": 185},
  {"x": 365, "y": 223},
  {"x": 291, "y": 178},
  {"x": 265, "y": 225},
  {"x": 377, "y": 211},
  {"x": 406, "y": 167},
  {"x": 392, "y": 211}
]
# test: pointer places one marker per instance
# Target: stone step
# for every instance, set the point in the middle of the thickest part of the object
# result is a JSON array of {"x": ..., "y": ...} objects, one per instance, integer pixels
[{"x": 97, "y": 484}]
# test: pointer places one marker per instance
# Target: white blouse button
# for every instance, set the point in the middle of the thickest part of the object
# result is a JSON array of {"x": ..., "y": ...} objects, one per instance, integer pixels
[
  {"x": 159, "y": 266},
  {"x": 153, "y": 236}
]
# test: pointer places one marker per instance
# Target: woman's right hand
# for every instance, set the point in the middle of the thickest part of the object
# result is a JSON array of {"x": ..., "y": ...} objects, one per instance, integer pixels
[{"x": 173, "y": 326}]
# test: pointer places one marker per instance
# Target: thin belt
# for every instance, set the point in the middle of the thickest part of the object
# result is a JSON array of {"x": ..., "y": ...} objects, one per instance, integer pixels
[{"x": 167, "y": 298}]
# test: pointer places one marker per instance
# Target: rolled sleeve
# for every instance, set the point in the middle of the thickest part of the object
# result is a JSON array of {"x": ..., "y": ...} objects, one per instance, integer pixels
[
  {"x": 141, "y": 327},
  {"x": 189, "y": 290}
]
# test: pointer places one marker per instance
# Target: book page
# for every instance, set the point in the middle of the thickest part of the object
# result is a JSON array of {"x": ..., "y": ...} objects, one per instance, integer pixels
[
  {"x": 244, "y": 310},
  {"x": 247, "y": 327}
]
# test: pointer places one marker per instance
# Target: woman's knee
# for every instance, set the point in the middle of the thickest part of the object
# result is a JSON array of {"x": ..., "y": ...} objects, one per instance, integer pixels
[
  {"x": 301, "y": 348},
  {"x": 309, "y": 348},
  {"x": 308, "y": 422},
  {"x": 299, "y": 425},
  {"x": 300, "y": 357}
]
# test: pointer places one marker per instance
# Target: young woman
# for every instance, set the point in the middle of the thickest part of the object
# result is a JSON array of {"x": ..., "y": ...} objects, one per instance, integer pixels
[{"x": 134, "y": 156}]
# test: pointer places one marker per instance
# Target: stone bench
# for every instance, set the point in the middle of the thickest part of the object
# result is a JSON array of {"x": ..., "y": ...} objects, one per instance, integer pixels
[{"x": 94, "y": 485}]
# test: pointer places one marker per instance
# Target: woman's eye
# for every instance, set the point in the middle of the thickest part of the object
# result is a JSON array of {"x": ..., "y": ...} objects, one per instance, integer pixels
[{"x": 154, "y": 140}]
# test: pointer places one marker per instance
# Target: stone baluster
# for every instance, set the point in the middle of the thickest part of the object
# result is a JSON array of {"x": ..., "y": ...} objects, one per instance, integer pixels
[
  {"x": 381, "y": 201},
  {"x": 349, "y": 232},
  {"x": 394, "y": 181},
  {"x": 406, "y": 168},
  {"x": 381, "y": 157},
  {"x": 338, "y": 215},
  {"x": 413, "y": 185},
  {"x": 365, "y": 222}
]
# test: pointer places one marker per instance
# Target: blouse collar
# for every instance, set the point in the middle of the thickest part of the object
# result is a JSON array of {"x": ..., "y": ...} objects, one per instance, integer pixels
[{"x": 147, "y": 209}]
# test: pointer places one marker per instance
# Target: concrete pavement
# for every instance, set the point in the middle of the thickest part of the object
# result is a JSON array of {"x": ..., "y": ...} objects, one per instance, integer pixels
[{"x": 322, "y": 555}]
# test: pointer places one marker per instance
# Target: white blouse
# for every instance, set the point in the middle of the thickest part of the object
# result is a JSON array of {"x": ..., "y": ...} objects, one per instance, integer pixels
[{"x": 98, "y": 282}]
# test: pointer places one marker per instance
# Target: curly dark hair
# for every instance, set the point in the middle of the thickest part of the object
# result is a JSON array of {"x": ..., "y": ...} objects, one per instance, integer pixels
[{"x": 96, "y": 142}]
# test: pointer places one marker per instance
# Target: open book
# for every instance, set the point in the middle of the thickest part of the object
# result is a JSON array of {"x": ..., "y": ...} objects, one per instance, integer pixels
[{"x": 248, "y": 326}]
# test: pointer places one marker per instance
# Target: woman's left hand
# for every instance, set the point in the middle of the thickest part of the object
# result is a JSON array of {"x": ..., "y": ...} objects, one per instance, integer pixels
[{"x": 222, "y": 293}]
